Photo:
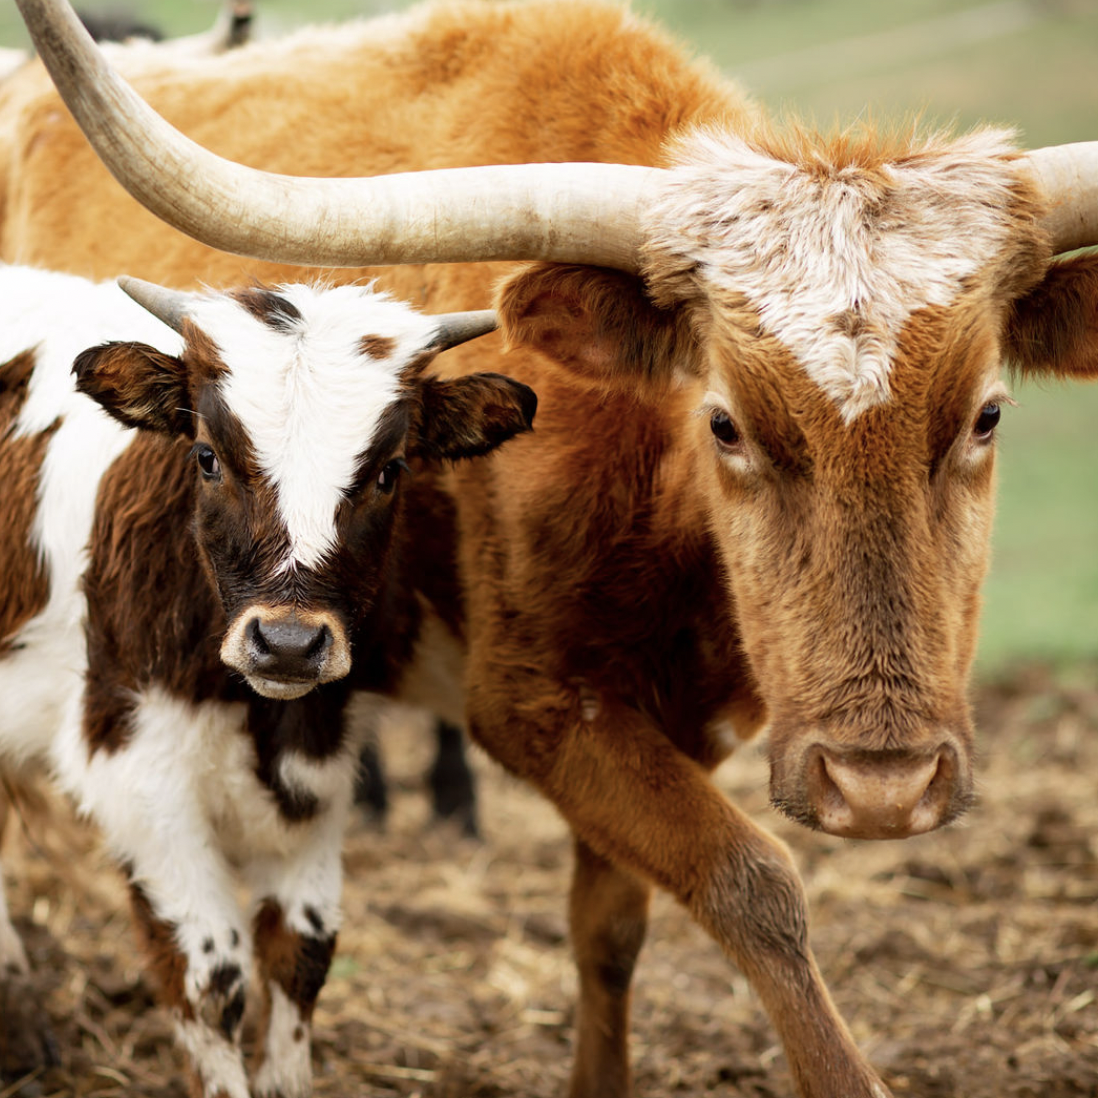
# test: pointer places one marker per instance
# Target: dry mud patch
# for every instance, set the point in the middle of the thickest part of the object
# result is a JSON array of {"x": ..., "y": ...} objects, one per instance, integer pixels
[{"x": 966, "y": 961}]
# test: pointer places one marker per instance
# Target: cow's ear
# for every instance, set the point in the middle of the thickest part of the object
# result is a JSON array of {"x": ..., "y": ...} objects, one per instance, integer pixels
[
  {"x": 139, "y": 385},
  {"x": 600, "y": 324},
  {"x": 466, "y": 416},
  {"x": 1053, "y": 328}
]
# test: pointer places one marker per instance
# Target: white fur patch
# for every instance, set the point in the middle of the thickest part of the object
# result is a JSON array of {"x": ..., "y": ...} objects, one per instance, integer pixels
[
  {"x": 308, "y": 882},
  {"x": 309, "y": 398},
  {"x": 216, "y": 1059},
  {"x": 835, "y": 260},
  {"x": 287, "y": 1068},
  {"x": 179, "y": 767}
]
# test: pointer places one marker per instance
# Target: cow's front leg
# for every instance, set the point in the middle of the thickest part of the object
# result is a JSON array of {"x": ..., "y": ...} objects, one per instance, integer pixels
[
  {"x": 640, "y": 803},
  {"x": 295, "y": 929}
]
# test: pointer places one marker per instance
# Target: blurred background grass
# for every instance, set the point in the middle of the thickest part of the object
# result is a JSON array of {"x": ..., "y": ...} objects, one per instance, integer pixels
[{"x": 1031, "y": 64}]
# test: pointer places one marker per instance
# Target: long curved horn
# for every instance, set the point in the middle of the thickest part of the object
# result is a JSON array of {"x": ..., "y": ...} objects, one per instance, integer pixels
[
  {"x": 577, "y": 213},
  {"x": 170, "y": 306},
  {"x": 1068, "y": 175}
]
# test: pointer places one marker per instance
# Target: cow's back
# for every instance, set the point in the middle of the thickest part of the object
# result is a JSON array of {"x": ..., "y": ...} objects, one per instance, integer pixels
[{"x": 460, "y": 83}]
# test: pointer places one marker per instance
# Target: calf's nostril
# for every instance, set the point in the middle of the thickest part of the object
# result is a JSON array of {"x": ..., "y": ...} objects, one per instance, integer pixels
[
  {"x": 321, "y": 643},
  {"x": 292, "y": 638},
  {"x": 256, "y": 640}
]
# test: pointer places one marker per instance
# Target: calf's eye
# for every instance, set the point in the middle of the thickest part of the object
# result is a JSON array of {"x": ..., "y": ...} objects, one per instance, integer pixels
[
  {"x": 387, "y": 478},
  {"x": 986, "y": 422},
  {"x": 207, "y": 461},
  {"x": 724, "y": 430}
]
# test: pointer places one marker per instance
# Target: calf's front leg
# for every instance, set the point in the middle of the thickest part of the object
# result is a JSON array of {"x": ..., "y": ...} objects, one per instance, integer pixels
[
  {"x": 641, "y": 804},
  {"x": 146, "y": 794},
  {"x": 203, "y": 988},
  {"x": 295, "y": 927}
]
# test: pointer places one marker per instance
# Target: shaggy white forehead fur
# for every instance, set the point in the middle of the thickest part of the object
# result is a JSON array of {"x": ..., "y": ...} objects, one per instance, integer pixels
[
  {"x": 806, "y": 248},
  {"x": 309, "y": 397}
]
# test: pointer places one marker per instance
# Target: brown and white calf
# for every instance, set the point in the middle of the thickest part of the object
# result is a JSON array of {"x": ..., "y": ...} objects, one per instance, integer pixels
[{"x": 191, "y": 612}]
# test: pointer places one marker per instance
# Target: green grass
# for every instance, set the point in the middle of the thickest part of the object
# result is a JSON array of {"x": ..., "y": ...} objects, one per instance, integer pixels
[
  {"x": 1033, "y": 66},
  {"x": 1042, "y": 593}
]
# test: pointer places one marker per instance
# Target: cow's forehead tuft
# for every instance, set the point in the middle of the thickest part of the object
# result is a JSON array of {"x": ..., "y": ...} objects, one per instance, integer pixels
[
  {"x": 834, "y": 248},
  {"x": 300, "y": 381}
]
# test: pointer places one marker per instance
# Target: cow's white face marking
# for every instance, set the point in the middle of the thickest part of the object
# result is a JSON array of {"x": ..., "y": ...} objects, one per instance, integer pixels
[
  {"x": 308, "y": 396},
  {"x": 835, "y": 260}
]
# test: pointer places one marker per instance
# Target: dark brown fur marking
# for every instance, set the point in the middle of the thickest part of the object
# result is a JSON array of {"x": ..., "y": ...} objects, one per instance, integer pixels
[
  {"x": 375, "y": 346},
  {"x": 152, "y": 615},
  {"x": 163, "y": 959},
  {"x": 269, "y": 308},
  {"x": 298, "y": 963}
]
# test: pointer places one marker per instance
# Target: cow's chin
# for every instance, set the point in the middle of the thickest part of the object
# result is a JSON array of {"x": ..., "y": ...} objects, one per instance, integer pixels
[{"x": 279, "y": 689}]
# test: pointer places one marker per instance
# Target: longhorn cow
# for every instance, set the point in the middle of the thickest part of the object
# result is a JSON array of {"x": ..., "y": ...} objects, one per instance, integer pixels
[{"x": 768, "y": 364}]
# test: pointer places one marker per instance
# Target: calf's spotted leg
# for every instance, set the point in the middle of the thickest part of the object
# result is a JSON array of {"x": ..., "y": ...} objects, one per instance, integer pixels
[
  {"x": 295, "y": 926},
  {"x": 146, "y": 794},
  {"x": 203, "y": 990}
]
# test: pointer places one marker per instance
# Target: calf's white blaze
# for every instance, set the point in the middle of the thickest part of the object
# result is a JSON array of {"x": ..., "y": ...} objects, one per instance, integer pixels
[
  {"x": 309, "y": 398},
  {"x": 835, "y": 261}
]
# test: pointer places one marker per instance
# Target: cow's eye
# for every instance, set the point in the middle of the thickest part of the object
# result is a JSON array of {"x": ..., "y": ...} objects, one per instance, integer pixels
[
  {"x": 986, "y": 422},
  {"x": 724, "y": 430},
  {"x": 207, "y": 461},
  {"x": 387, "y": 478}
]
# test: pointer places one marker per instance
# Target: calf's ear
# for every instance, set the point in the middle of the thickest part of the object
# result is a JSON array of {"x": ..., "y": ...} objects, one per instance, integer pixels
[
  {"x": 139, "y": 385},
  {"x": 1053, "y": 328},
  {"x": 466, "y": 416},
  {"x": 598, "y": 324}
]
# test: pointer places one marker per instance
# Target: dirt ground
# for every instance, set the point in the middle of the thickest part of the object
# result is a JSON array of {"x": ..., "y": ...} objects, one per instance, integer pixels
[{"x": 964, "y": 960}]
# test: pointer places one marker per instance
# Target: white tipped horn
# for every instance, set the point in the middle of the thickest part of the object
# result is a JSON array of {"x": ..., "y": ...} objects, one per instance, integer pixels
[
  {"x": 455, "y": 328},
  {"x": 1068, "y": 176},
  {"x": 570, "y": 213},
  {"x": 170, "y": 306}
]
